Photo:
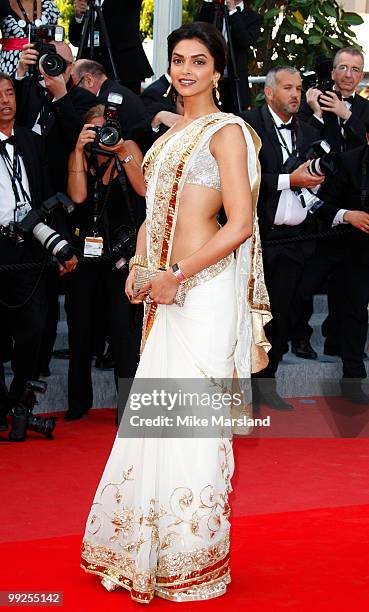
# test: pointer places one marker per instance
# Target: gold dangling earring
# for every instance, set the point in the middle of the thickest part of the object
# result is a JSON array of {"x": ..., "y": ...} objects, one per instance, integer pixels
[
  {"x": 169, "y": 88},
  {"x": 217, "y": 93}
]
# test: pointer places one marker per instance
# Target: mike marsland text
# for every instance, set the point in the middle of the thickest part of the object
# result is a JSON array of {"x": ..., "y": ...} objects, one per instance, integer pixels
[{"x": 195, "y": 421}]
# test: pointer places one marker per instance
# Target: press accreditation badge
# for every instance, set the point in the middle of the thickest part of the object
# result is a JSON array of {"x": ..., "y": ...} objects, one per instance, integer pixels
[
  {"x": 96, "y": 39},
  {"x": 93, "y": 246},
  {"x": 21, "y": 211}
]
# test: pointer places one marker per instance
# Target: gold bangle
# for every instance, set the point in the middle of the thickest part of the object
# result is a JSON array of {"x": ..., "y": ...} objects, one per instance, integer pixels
[
  {"x": 138, "y": 260},
  {"x": 77, "y": 171}
]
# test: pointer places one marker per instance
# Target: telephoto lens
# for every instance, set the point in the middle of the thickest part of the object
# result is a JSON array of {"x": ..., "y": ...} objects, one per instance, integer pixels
[
  {"x": 18, "y": 431},
  {"x": 42, "y": 425}
]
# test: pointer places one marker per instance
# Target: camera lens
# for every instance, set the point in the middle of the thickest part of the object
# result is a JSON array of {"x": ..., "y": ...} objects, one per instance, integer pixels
[
  {"x": 53, "y": 64},
  {"x": 109, "y": 136}
]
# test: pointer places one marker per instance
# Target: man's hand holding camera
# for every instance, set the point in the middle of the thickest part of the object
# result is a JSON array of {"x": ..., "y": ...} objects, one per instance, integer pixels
[
  {"x": 55, "y": 85},
  {"x": 327, "y": 101},
  {"x": 28, "y": 57},
  {"x": 301, "y": 177}
]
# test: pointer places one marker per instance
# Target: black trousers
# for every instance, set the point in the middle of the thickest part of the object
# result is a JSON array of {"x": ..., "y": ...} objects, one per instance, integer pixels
[
  {"x": 24, "y": 325},
  {"x": 349, "y": 272},
  {"x": 283, "y": 269},
  {"x": 83, "y": 289}
]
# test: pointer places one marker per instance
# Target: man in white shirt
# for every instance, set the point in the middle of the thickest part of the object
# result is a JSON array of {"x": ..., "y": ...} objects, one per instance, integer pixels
[{"x": 282, "y": 213}]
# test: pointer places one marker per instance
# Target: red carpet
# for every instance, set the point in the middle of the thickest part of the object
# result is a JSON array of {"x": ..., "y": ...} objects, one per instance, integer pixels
[{"x": 300, "y": 537}]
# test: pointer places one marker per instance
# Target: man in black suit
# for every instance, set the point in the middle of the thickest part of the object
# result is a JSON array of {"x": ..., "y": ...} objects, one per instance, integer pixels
[
  {"x": 346, "y": 200},
  {"x": 122, "y": 19},
  {"x": 55, "y": 110},
  {"x": 342, "y": 118},
  {"x": 245, "y": 27},
  {"x": 280, "y": 207},
  {"x": 18, "y": 194},
  {"x": 340, "y": 115},
  {"x": 91, "y": 76}
]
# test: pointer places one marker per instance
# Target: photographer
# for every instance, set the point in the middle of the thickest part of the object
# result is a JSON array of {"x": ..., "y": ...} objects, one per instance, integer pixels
[
  {"x": 51, "y": 106},
  {"x": 342, "y": 118},
  {"x": 23, "y": 188},
  {"x": 107, "y": 212},
  {"x": 346, "y": 201},
  {"x": 16, "y": 17},
  {"x": 339, "y": 113},
  {"x": 92, "y": 77},
  {"x": 282, "y": 213},
  {"x": 245, "y": 27},
  {"x": 122, "y": 20}
]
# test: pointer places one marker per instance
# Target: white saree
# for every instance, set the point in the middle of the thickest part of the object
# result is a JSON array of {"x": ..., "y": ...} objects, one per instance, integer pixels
[{"x": 159, "y": 521}]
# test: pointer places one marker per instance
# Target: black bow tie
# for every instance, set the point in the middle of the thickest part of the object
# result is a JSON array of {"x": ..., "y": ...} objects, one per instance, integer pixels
[
  {"x": 10, "y": 141},
  {"x": 285, "y": 126},
  {"x": 350, "y": 99}
]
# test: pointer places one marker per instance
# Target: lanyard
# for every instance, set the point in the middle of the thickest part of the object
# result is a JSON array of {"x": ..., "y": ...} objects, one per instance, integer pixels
[
  {"x": 26, "y": 19},
  {"x": 282, "y": 140},
  {"x": 15, "y": 173}
]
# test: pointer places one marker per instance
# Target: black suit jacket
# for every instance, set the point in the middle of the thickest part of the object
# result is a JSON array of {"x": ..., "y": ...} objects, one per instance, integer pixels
[
  {"x": 31, "y": 148},
  {"x": 122, "y": 19},
  {"x": 245, "y": 29},
  {"x": 355, "y": 127},
  {"x": 344, "y": 190},
  {"x": 133, "y": 116},
  {"x": 63, "y": 126},
  {"x": 154, "y": 99},
  {"x": 271, "y": 161}
]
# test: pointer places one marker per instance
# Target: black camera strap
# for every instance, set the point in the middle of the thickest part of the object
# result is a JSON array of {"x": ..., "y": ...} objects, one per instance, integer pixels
[
  {"x": 26, "y": 18},
  {"x": 122, "y": 178}
]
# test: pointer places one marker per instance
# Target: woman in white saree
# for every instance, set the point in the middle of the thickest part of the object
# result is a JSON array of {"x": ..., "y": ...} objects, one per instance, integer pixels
[{"x": 159, "y": 522}]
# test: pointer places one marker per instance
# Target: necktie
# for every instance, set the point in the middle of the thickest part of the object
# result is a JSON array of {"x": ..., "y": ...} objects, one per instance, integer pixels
[
  {"x": 350, "y": 99},
  {"x": 285, "y": 126}
]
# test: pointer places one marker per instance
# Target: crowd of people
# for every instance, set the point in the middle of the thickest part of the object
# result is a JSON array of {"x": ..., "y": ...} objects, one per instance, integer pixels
[{"x": 52, "y": 141}]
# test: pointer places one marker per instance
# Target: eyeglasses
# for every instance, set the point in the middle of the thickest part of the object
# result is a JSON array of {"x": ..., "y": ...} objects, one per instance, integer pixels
[{"x": 344, "y": 68}]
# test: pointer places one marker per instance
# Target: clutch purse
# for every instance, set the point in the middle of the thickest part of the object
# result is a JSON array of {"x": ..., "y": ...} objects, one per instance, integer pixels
[{"x": 144, "y": 275}]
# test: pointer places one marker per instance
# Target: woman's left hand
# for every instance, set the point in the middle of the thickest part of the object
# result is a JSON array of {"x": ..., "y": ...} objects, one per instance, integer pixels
[{"x": 162, "y": 289}]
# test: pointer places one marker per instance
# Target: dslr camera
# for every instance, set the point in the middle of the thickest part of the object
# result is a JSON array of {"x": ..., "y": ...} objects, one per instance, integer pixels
[
  {"x": 110, "y": 133},
  {"x": 33, "y": 222},
  {"x": 23, "y": 418},
  {"x": 322, "y": 163},
  {"x": 42, "y": 37},
  {"x": 320, "y": 77}
]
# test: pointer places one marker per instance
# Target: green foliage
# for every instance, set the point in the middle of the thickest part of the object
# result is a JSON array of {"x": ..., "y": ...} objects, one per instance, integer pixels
[
  {"x": 66, "y": 7},
  {"x": 295, "y": 32},
  {"x": 147, "y": 18}
]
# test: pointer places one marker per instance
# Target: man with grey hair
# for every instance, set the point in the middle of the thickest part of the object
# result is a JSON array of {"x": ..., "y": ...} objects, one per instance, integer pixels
[
  {"x": 342, "y": 118},
  {"x": 281, "y": 211},
  {"x": 340, "y": 115}
]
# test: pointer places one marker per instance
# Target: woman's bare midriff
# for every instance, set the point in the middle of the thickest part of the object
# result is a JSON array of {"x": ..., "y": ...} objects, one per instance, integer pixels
[{"x": 196, "y": 221}]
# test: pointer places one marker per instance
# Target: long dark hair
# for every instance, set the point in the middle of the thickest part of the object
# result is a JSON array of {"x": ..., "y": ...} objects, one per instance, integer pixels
[{"x": 208, "y": 35}]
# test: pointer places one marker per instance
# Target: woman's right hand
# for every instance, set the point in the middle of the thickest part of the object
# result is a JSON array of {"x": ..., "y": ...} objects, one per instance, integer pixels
[
  {"x": 86, "y": 136},
  {"x": 129, "y": 287}
]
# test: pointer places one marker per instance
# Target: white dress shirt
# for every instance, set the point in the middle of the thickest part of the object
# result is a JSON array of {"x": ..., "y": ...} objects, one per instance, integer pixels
[
  {"x": 7, "y": 197},
  {"x": 289, "y": 210},
  {"x": 224, "y": 30}
]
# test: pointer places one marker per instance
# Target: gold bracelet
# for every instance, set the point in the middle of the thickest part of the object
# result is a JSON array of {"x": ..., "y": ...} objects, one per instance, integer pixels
[
  {"x": 138, "y": 260},
  {"x": 77, "y": 171}
]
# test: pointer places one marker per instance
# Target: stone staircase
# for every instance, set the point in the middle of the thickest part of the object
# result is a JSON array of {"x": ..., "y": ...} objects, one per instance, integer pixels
[{"x": 295, "y": 378}]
